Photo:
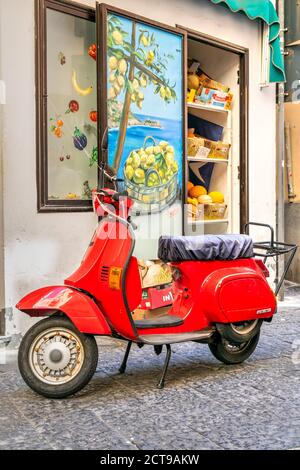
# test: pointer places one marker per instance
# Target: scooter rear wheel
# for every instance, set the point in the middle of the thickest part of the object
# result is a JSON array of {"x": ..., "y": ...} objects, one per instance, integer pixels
[
  {"x": 233, "y": 353},
  {"x": 55, "y": 359},
  {"x": 239, "y": 332}
]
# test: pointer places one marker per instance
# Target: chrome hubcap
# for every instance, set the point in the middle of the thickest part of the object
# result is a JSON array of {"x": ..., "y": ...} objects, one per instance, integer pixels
[
  {"x": 56, "y": 356},
  {"x": 244, "y": 328}
]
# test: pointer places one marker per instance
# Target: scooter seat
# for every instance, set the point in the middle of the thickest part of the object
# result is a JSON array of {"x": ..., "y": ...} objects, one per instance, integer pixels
[
  {"x": 205, "y": 248},
  {"x": 161, "y": 321}
]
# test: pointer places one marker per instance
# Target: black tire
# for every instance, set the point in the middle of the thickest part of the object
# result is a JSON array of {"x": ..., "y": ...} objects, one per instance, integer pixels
[
  {"x": 233, "y": 353},
  {"x": 85, "y": 371},
  {"x": 239, "y": 332}
]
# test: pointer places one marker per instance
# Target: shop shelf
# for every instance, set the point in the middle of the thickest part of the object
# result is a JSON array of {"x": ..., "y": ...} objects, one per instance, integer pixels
[
  {"x": 208, "y": 160},
  {"x": 207, "y": 107},
  {"x": 211, "y": 221}
]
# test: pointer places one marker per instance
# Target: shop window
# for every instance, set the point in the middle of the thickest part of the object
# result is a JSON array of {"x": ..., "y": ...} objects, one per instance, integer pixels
[{"x": 66, "y": 106}]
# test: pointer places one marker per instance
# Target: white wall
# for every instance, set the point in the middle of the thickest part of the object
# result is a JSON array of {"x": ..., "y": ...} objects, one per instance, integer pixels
[{"x": 42, "y": 249}]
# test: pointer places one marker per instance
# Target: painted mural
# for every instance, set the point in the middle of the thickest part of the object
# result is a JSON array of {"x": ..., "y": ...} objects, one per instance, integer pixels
[{"x": 145, "y": 111}]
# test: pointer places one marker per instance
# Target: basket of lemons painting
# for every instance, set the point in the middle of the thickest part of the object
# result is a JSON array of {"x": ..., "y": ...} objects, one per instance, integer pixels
[{"x": 151, "y": 175}]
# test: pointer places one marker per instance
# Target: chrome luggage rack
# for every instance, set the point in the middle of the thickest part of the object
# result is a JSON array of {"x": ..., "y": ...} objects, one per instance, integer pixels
[{"x": 273, "y": 249}]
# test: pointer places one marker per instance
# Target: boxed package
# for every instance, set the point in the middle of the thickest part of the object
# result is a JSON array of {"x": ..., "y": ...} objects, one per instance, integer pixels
[
  {"x": 197, "y": 78},
  {"x": 200, "y": 147},
  {"x": 216, "y": 98},
  {"x": 154, "y": 273},
  {"x": 156, "y": 297},
  {"x": 214, "y": 211},
  {"x": 142, "y": 314},
  {"x": 207, "y": 82}
]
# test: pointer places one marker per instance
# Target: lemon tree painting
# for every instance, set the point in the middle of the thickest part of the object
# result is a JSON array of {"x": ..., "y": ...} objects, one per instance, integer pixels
[{"x": 145, "y": 111}]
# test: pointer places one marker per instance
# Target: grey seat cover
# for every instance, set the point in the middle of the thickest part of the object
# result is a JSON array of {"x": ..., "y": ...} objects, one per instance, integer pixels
[{"x": 205, "y": 248}]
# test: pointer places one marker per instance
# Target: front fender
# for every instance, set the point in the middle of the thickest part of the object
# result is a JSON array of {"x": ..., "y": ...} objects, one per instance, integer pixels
[{"x": 77, "y": 306}]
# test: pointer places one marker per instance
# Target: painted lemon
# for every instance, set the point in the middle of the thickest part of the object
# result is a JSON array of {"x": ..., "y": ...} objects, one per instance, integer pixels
[
  {"x": 117, "y": 37},
  {"x": 113, "y": 62},
  {"x": 145, "y": 41},
  {"x": 122, "y": 66},
  {"x": 162, "y": 92},
  {"x": 150, "y": 58},
  {"x": 136, "y": 160},
  {"x": 143, "y": 81},
  {"x": 129, "y": 172},
  {"x": 168, "y": 93},
  {"x": 217, "y": 196},
  {"x": 139, "y": 176},
  {"x": 135, "y": 84},
  {"x": 197, "y": 191},
  {"x": 163, "y": 144},
  {"x": 111, "y": 93},
  {"x": 121, "y": 81}
]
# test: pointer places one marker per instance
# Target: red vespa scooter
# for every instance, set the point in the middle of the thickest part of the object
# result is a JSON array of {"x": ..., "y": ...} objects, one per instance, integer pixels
[{"x": 221, "y": 297}]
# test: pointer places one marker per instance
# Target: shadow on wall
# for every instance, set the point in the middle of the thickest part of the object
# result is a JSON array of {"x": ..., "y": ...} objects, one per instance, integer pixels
[{"x": 292, "y": 235}]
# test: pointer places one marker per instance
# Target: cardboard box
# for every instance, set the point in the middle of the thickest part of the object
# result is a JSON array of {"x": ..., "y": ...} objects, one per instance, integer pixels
[
  {"x": 216, "y": 98},
  {"x": 154, "y": 273},
  {"x": 141, "y": 314}
]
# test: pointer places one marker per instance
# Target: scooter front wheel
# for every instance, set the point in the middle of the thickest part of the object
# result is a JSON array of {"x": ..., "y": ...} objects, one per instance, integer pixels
[
  {"x": 233, "y": 353},
  {"x": 55, "y": 359}
]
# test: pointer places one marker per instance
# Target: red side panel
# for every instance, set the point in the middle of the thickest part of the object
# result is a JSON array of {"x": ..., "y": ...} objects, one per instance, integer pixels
[
  {"x": 80, "y": 308},
  {"x": 235, "y": 294},
  {"x": 110, "y": 247}
]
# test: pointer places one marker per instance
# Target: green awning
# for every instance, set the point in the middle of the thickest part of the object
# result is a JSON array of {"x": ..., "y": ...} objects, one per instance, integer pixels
[{"x": 264, "y": 10}]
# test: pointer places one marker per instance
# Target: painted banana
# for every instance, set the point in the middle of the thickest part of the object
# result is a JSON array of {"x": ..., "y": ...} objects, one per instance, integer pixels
[{"x": 80, "y": 91}]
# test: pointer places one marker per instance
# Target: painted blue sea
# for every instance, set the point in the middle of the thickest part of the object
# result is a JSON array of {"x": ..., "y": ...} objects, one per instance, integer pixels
[{"x": 171, "y": 131}]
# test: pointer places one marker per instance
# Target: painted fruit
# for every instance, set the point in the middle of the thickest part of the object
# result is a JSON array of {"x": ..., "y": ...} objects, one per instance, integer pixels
[
  {"x": 143, "y": 81},
  {"x": 139, "y": 176},
  {"x": 113, "y": 63},
  {"x": 117, "y": 37},
  {"x": 204, "y": 199},
  {"x": 217, "y": 196},
  {"x": 150, "y": 58},
  {"x": 74, "y": 106},
  {"x": 197, "y": 191},
  {"x": 121, "y": 81},
  {"x": 80, "y": 140},
  {"x": 93, "y": 116},
  {"x": 60, "y": 123},
  {"x": 145, "y": 41},
  {"x": 122, "y": 66},
  {"x": 58, "y": 132}
]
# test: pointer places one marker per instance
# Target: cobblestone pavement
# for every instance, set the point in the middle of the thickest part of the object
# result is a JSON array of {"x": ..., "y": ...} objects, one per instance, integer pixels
[{"x": 205, "y": 405}]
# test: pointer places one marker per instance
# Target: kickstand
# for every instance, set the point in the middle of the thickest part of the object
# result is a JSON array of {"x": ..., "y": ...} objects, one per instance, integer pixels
[
  {"x": 161, "y": 382},
  {"x": 124, "y": 363}
]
